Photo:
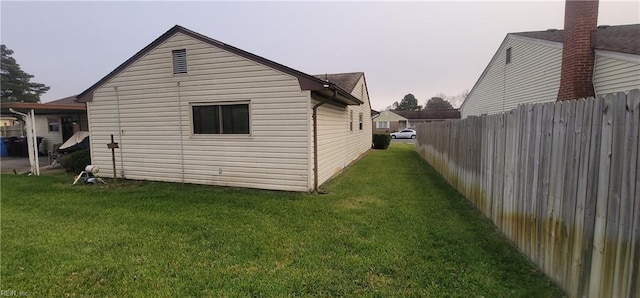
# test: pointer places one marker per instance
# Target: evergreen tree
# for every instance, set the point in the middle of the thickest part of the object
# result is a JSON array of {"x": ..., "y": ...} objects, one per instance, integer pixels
[
  {"x": 437, "y": 103},
  {"x": 408, "y": 103},
  {"x": 16, "y": 84}
]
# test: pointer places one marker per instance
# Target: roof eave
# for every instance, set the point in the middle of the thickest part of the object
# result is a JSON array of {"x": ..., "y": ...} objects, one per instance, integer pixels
[
  {"x": 342, "y": 97},
  {"x": 42, "y": 106}
]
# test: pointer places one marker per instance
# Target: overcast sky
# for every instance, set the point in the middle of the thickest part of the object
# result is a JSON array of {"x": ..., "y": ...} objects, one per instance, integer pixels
[{"x": 422, "y": 48}]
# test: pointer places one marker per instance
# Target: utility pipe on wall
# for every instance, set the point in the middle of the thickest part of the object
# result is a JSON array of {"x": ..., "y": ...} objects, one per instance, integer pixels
[
  {"x": 120, "y": 132},
  {"x": 181, "y": 135}
]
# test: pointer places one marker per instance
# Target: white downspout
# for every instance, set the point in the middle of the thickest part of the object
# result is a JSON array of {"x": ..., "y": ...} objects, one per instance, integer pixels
[
  {"x": 35, "y": 143},
  {"x": 181, "y": 136}
]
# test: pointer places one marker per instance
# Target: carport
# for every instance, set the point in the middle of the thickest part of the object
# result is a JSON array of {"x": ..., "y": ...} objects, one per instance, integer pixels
[{"x": 28, "y": 112}]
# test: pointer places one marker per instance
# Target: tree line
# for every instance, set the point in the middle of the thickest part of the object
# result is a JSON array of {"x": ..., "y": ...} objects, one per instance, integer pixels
[{"x": 439, "y": 102}]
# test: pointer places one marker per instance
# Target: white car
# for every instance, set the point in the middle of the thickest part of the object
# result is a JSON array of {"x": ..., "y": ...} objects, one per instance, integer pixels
[{"x": 404, "y": 134}]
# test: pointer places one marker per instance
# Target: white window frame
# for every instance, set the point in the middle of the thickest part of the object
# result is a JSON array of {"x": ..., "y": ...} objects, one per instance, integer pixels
[
  {"x": 351, "y": 120},
  {"x": 380, "y": 127}
]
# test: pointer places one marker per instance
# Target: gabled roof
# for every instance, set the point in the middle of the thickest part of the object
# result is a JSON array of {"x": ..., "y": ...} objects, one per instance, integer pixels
[
  {"x": 623, "y": 38},
  {"x": 346, "y": 81},
  {"x": 307, "y": 82},
  {"x": 430, "y": 114}
]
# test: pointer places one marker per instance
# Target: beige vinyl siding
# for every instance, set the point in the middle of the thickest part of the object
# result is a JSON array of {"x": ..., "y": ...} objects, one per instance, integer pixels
[
  {"x": 532, "y": 76},
  {"x": 615, "y": 75},
  {"x": 50, "y": 137},
  {"x": 338, "y": 146},
  {"x": 156, "y": 137}
]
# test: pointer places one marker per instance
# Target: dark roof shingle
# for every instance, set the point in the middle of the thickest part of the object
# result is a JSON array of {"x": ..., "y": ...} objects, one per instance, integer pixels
[
  {"x": 71, "y": 100},
  {"x": 623, "y": 38},
  {"x": 346, "y": 81}
]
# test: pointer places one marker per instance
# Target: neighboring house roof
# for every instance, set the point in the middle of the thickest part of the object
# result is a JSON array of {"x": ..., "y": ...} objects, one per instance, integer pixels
[
  {"x": 430, "y": 114},
  {"x": 346, "y": 81},
  {"x": 388, "y": 116},
  {"x": 43, "y": 108},
  {"x": 67, "y": 100},
  {"x": 623, "y": 38},
  {"x": 307, "y": 82}
]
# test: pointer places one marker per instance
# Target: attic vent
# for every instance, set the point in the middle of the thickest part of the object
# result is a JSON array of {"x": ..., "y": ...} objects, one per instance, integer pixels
[{"x": 179, "y": 61}]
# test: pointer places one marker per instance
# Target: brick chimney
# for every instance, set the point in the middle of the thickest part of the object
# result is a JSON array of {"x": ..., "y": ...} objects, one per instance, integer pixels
[{"x": 576, "y": 75}]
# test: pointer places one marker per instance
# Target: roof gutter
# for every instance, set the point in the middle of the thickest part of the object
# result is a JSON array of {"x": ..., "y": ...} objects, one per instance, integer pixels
[{"x": 315, "y": 138}]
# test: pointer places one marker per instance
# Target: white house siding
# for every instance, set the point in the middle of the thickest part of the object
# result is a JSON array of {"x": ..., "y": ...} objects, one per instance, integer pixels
[
  {"x": 42, "y": 130},
  {"x": 156, "y": 141},
  {"x": 615, "y": 75},
  {"x": 532, "y": 76},
  {"x": 338, "y": 146}
]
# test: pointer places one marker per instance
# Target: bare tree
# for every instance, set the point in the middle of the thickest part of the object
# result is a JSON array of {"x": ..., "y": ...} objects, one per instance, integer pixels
[{"x": 455, "y": 100}]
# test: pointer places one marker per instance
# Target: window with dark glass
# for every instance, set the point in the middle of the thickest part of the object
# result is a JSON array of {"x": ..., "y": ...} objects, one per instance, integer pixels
[
  {"x": 508, "y": 55},
  {"x": 360, "y": 118},
  {"x": 179, "y": 61},
  {"x": 351, "y": 120},
  {"x": 53, "y": 124},
  {"x": 221, "y": 119}
]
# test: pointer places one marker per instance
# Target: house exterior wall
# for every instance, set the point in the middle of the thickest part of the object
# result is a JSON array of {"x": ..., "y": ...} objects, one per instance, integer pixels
[
  {"x": 533, "y": 75},
  {"x": 148, "y": 110},
  {"x": 338, "y": 146},
  {"x": 42, "y": 130},
  {"x": 616, "y": 74}
]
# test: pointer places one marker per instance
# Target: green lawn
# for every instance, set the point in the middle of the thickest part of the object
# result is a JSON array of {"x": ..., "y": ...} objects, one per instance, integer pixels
[{"x": 389, "y": 226}]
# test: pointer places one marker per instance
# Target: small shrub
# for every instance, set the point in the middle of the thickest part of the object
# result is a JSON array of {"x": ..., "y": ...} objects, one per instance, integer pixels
[
  {"x": 381, "y": 140},
  {"x": 76, "y": 161}
]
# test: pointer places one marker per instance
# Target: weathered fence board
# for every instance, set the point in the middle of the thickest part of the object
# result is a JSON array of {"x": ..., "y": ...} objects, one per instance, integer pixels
[{"x": 560, "y": 180}]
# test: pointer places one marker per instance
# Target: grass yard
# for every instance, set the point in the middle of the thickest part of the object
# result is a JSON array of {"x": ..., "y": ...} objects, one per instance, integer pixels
[{"x": 389, "y": 226}]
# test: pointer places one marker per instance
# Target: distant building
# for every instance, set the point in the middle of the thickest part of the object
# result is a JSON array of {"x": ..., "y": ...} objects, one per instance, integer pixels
[
  {"x": 388, "y": 121},
  {"x": 417, "y": 117},
  {"x": 528, "y": 66}
]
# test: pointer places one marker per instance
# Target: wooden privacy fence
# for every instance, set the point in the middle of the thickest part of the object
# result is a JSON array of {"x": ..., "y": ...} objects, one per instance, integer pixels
[{"x": 561, "y": 180}]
